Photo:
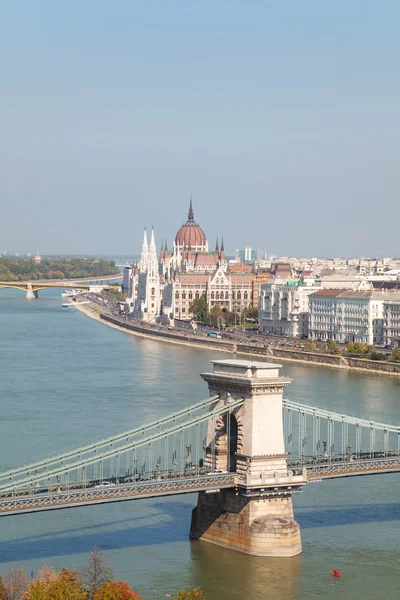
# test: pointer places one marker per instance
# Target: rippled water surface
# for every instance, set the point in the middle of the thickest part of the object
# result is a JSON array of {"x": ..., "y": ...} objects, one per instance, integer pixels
[{"x": 66, "y": 379}]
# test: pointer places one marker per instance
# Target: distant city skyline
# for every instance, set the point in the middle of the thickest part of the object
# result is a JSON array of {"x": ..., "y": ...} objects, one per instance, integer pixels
[{"x": 282, "y": 118}]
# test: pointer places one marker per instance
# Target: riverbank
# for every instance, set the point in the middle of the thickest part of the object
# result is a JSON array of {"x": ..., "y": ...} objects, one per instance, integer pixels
[
  {"x": 271, "y": 352},
  {"x": 95, "y": 312}
]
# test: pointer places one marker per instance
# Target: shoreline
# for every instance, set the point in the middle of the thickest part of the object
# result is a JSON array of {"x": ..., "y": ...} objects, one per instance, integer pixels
[{"x": 94, "y": 312}]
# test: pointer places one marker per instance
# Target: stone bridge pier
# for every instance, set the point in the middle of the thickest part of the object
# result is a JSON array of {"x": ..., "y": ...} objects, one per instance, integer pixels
[
  {"x": 30, "y": 292},
  {"x": 257, "y": 516}
]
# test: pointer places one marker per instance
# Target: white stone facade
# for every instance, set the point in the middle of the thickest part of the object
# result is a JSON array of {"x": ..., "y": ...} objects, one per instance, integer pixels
[
  {"x": 283, "y": 307},
  {"x": 391, "y": 322},
  {"x": 148, "y": 298}
]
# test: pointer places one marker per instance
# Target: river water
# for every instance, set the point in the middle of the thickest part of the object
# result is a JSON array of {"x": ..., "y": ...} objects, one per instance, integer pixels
[{"x": 66, "y": 380}]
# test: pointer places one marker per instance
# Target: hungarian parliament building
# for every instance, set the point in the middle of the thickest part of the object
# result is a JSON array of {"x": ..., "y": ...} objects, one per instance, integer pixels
[{"x": 163, "y": 286}]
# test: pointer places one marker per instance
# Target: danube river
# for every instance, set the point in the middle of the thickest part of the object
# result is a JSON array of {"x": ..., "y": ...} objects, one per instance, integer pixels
[{"x": 66, "y": 380}]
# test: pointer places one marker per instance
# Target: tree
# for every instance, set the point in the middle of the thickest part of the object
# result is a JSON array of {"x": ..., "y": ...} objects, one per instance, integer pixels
[
  {"x": 3, "y": 591},
  {"x": 199, "y": 309},
  {"x": 395, "y": 357},
  {"x": 377, "y": 356},
  {"x": 15, "y": 583},
  {"x": 332, "y": 346},
  {"x": 51, "y": 585},
  {"x": 216, "y": 315},
  {"x": 310, "y": 346},
  {"x": 96, "y": 573},
  {"x": 251, "y": 313},
  {"x": 116, "y": 590},
  {"x": 190, "y": 594}
]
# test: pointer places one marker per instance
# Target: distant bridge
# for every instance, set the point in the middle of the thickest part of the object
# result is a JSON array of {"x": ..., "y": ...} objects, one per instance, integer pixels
[{"x": 33, "y": 287}]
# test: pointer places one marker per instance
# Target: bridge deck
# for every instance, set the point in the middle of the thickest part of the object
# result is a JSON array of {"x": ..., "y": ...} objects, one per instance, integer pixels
[{"x": 13, "y": 504}]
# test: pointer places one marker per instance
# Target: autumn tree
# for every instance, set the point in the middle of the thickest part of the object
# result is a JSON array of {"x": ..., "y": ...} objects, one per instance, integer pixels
[
  {"x": 51, "y": 585},
  {"x": 190, "y": 594},
  {"x": 96, "y": 573},
  {"x": 15, "y": 583},
  {"x": 116, "y": 590},
  {"x": 3, "y": 591}
]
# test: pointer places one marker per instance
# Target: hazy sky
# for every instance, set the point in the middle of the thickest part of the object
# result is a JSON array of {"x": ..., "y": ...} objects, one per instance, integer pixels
[{"x": 281, "y": 116}]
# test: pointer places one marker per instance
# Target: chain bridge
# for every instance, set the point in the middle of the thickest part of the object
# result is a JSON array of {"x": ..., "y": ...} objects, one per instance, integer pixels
[{"x": 245, "y": 449}]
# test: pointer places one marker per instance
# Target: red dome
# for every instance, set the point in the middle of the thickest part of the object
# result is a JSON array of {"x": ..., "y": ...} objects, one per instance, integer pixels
[{"x": 190, "y": 234}]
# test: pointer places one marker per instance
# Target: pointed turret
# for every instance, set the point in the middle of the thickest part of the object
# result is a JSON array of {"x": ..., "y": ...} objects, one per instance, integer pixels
[
  {"x": 191, "y": 213},
  {"x": 222, "y": 254},
  {"x": 152, "y": 241},
  {"x": 217, "y": 246},
  {"x": 144, "y": 257}
]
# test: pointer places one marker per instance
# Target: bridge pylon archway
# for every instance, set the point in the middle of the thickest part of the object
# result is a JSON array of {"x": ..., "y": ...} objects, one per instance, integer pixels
[{"x": 257, "y": 516}]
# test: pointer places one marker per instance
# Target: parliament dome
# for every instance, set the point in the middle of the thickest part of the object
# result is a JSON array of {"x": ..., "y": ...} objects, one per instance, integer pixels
[{"x": 191, "y": 234}]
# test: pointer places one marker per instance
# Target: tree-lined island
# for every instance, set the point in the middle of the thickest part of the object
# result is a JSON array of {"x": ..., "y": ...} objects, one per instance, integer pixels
[{"x": 32, "y": 269}]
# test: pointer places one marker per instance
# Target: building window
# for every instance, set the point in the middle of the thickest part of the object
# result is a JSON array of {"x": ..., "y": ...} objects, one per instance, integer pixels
[
  {"x": 239, "y": 295},
  {"x": 153, "y": 291},
  {"x": 177, "y": 295},
  {"x": 217, "y": 295},
  {"x": 190, "y": 295},
  {"x": 183, "y": 310},
  {"x": 212, "y": 295},
  {"x": 226, "y": 295},
  {"x": 183, "y": 295},
  {"x": 245, "y": 295}
]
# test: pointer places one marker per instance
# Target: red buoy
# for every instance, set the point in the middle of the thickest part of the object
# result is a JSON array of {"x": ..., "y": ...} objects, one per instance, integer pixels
[{"x": 335, "y": 573}]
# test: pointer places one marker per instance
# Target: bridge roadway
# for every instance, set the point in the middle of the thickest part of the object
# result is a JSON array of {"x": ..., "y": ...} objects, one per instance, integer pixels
[{"x": 12, "y": 503}]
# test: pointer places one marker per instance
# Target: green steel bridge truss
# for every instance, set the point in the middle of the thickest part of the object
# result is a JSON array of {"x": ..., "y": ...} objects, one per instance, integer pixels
[{"x": 168, "y": 457}]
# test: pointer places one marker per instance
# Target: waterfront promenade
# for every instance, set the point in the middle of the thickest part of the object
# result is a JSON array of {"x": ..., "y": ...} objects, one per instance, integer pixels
[{"x": 237, "y": 344}]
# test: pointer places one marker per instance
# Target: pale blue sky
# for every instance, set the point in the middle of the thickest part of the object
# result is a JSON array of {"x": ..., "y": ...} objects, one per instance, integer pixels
[{"x": 282, "y": 117}]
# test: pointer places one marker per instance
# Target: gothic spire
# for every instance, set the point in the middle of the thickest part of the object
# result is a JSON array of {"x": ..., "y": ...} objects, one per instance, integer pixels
[
  {"x": 152, "y": 241},
  {"x": 222, "y": 254},
  {"x": 217, "y": 246},
  {"x": 191, "y": 213},
  {"x": 145, "y": 238}
]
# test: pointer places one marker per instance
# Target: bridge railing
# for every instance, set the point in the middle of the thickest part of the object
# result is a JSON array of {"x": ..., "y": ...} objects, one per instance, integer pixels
[
  {"x": 169, "y": 447},
  {"x": 313, "y": 434}
]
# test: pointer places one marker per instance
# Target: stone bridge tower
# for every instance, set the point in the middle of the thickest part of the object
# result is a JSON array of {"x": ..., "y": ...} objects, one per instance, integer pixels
[{"x": 257, "y": 516}]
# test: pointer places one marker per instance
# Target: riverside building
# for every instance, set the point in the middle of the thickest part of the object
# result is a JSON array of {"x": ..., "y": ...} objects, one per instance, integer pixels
[
  {"x": 368, "y": 317},
  {"x": 283, "y": 306}
]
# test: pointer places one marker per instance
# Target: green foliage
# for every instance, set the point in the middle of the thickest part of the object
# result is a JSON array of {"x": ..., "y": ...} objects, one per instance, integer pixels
[
  {"x": 377, "y": 356},
  {"x": 361, "y": 350},
  {"x": 251, "y": 313},
  {"x": 395, "y": 357},
  {"x": 190, "y": 594},
  {"x": 332, "y": 346},
  {"x": 199, "y": 308},
  {"x": 23, "y": 269},
  {"x": 310, "y": 346}
]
